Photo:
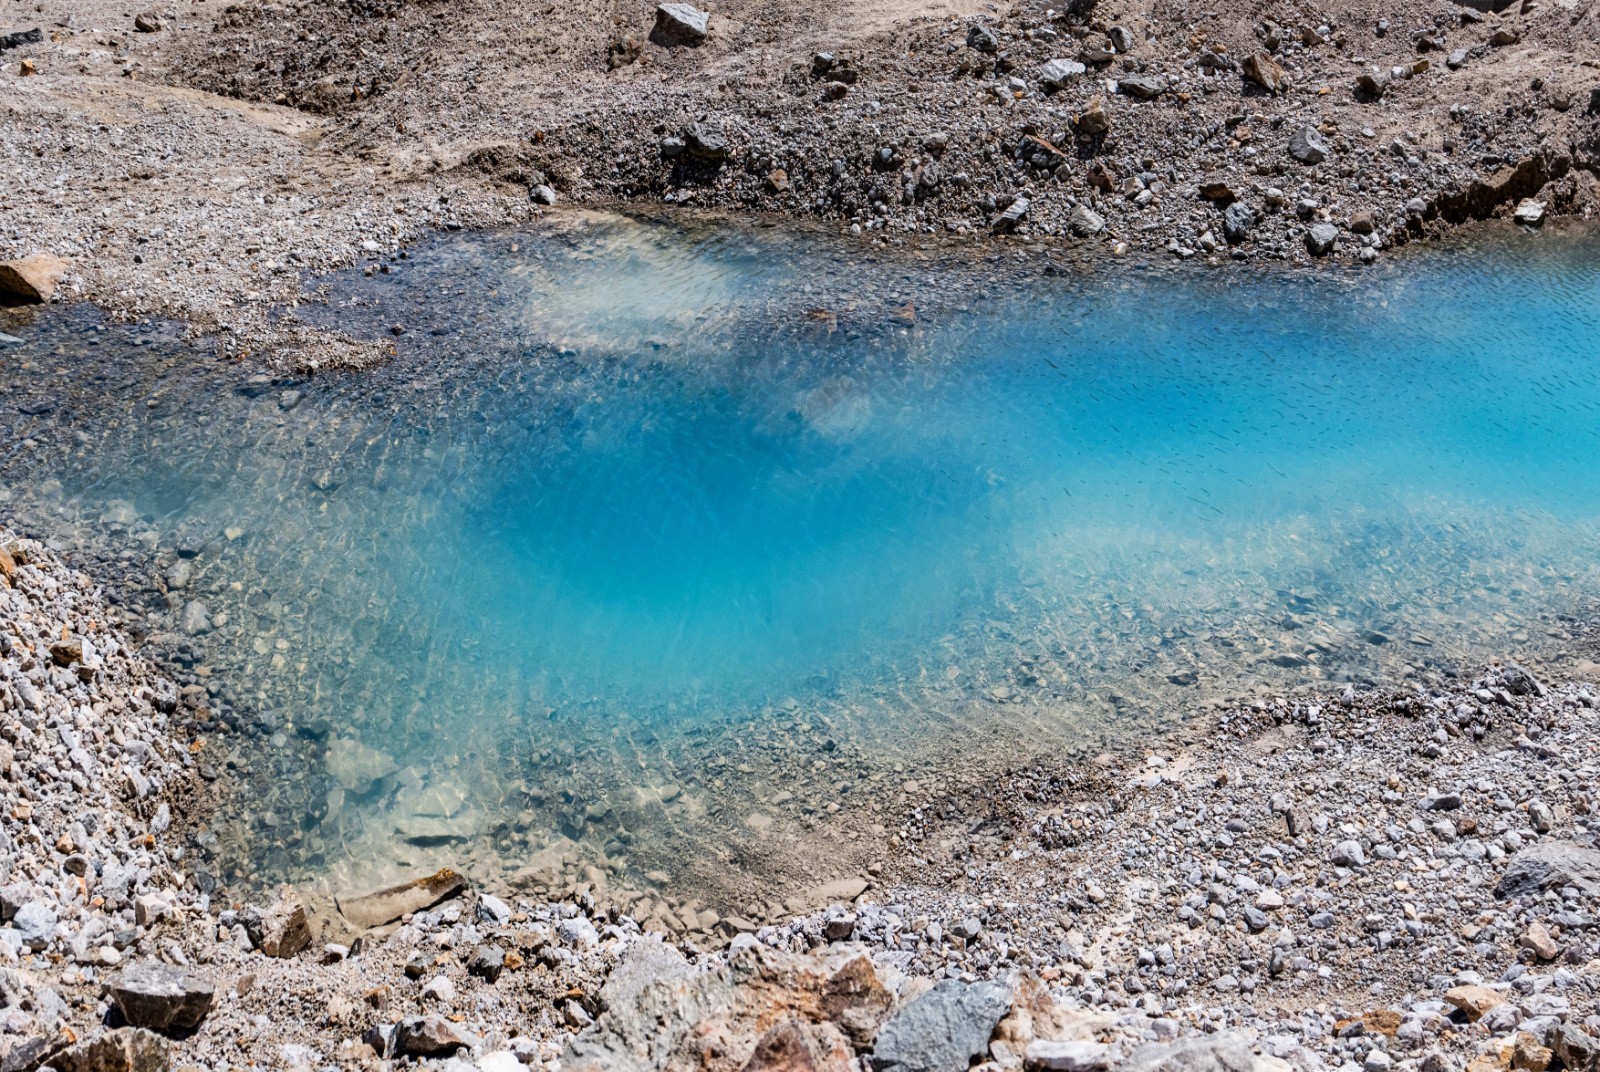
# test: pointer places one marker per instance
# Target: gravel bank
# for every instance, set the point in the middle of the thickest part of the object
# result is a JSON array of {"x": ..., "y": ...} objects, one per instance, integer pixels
[
  {"x": 1373, "y": 879},
  {"x": 199, "y": 163}
]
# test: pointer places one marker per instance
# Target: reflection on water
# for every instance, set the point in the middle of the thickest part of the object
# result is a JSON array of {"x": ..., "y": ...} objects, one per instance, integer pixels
[{"x": 660, "y": 559}]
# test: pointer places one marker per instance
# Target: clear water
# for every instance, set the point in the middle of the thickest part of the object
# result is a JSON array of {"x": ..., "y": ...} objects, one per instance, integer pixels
[{"x": 678, "y": 551}]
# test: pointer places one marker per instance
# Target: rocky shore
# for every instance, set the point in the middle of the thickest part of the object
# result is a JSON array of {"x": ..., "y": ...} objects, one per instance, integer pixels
[
  {"x": 1376, "y": 880},
  {"x": 199, "y": 163}
]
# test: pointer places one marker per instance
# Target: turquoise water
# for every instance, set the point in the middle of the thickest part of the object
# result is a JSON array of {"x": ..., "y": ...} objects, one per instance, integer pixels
[{"x": 644, "y": 525}]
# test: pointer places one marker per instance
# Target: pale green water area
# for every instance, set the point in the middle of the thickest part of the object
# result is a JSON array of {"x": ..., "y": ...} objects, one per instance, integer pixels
[{"x": 669, "y": 554}]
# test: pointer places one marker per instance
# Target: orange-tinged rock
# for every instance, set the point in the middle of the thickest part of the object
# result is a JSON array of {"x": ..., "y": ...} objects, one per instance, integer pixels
[
  {"x": 1473, "y": 1001},
  {"x": 32, "y": 279}
]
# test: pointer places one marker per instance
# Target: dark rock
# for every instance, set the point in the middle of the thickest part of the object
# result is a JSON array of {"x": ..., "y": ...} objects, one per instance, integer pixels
[
  {"x": 705, "y": 143},
  {"x": 1370, "y": 85},
  {"x": 1237, "y": 222},
  {"x": 1308, "y": 146},
  {"x": 1219, "y": 191},
  {"x": 1321, "y": 238},
  {"x": 943, "y": 1029},
  {"x": 1013, "y": 214},
  {"x": 123, "y": 1049},
  {"x": 148, "y": 22},
  {"x": 981, "y": 38},
  {"x": 279, "y": 930},
  {"x": 1551, "y": 865},
  {"x": 1362, "y": 223},
  {"x": 487, "y": 962},
  {"x": 426, "y": 1036},
  {"x": 680, "y": 24},
  {"x": 1093, "y": 120},
  {"x": 20, "y": 38},
  {"x": 821, "y": 64},
  {"x": 162, "y": 998},
  {"x": 1142, "y": 86}
]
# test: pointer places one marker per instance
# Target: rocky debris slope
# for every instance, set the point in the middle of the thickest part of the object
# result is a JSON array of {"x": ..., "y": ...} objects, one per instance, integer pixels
[
  {"x": 1379, "y": 880},
  {"x": 198, "y": 163}
]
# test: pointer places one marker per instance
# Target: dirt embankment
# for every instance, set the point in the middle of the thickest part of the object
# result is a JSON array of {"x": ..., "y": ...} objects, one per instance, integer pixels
[{"x": 203, "y": 166}]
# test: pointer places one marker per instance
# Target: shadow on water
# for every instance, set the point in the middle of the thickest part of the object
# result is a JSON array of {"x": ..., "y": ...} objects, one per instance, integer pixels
[{"x": 663, "y": 557}]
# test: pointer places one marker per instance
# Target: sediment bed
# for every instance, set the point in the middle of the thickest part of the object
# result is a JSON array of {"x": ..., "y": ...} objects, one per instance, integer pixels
[{"x": 1386, "y": 878}]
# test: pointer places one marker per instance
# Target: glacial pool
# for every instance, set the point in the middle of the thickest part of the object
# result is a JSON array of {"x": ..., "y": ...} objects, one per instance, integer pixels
[{"x": 676, "y": 559}]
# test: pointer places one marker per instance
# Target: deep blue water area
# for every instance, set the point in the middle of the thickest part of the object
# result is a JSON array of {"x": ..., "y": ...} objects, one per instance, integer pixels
[{"x": 641, "y": 512}]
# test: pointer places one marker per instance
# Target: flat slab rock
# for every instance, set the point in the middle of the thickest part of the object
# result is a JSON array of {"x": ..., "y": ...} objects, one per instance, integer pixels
[
  {"x": 1550, "y": 865},
  {"x": 162, "y": 998},
  {"x": 387, "y": 905}
]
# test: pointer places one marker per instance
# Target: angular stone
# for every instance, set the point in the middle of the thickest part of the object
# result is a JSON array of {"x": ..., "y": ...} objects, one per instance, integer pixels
[
  {"x": 1086, "y": 222},
  {"x": 1093, "y": 120},
  {"x": 426, "y": 1036},
  {"x": 1308, "y": 146},
  {"x": 1142, "y": 87},
  {"x": 1058, "y": 73},
  {"x": 1551, "y": 865},
  {"x": 1538, "y": 939},
  {"x": 982, "y": 39},
  {"x": 1473, "y": 1001},
  {"x": 1529, "y": 212},
  {"x": 1321, "y": 238},
  {"x": 793, "y": 1046},
  {"x": 1012, "y": 215},
  {"x": 281, "y": 929},
  {"x": 487, "y": 962},
  {"x": 1264, "y": 71},
  {"x": 705, "y": 143},
  {"x": 122, "y": 1049},
  {"x": 681, "y": 24},
  {"x": 943, "y": 1029},
  {"x": 1237, "y": 222},
  {"x": 32, "y": 279},
  {"x": 162, "y": 998}
]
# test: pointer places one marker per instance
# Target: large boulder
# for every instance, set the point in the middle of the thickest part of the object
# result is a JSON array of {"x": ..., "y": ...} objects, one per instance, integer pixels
[
  {"x": 32, "y": 279},
  {"x": 1551, "y": 865},
  {"x": 942, "y": 1030},
  {"x": 162, "y": 998}
]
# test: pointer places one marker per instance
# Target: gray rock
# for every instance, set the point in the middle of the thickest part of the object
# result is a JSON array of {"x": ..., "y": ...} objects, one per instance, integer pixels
[
  {"x": 487, "y": 962},
  {"x": 280, "y": 929},
  {"x": 1456, "y": 60},
  {"x": 1086, "y": 222},
  {"x": 681, "y": 24},
  {"x": 645, "y": 961},
  {"x": 1529, "y": 212},
  {"x": 1075, "y": 1055},
  {"x": 706, "y": 143},
  {"x": 1321, "y": 238},
  {"x": 542, "y": 195},
  {"x": 1216, "y": 1053},
  {"x": 36, "y": 923},
  {"x": 426, "y": 1036},
  {"x": 1142, "y": 86},
  {"x": 493, "y": 910},
  {"x": 1011, "y": 216},
  {"x": 1058, "y": 73},
  {"x": 982, "y": 38},
  {"x": 943, "y": 1030},
  {"x": 123, "y": 1049},
  {"x": 1308, "y": 146},
  {"x": 1238, "y": 219},
  {"x": 1551, "y": 865},
  {"x": 196, "y": 618},
  {"x": 1348, "y": 853},
  {"x": 162, "y": 998}
]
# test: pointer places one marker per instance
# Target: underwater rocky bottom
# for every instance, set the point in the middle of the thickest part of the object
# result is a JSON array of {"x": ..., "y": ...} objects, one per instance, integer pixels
[{"x": 676, "y": 560}]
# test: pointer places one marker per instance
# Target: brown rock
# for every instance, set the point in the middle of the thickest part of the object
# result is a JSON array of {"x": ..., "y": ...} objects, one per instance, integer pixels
[
  {"x": 1473, "y": 1001},
  {"x": 791, "y": 1046},
  {"x": 1528, "y": 1055},
  {"x": 388, "y": 905},
  {"x": 32, "y": 279},
  {"x": 1093, "y": 120},
  {"x": 1103, "y": 179},
  {"x": 124, "y": 1049},
  {"x": 426, "y": 1036},
  {"x": 1218, "y": 190},
  {"x": 1264, "y": 71},
  {"x": 281, "y": 929},
  {"x": 1362, "y": 222},
  {"x": 1538, "y": 939}
]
